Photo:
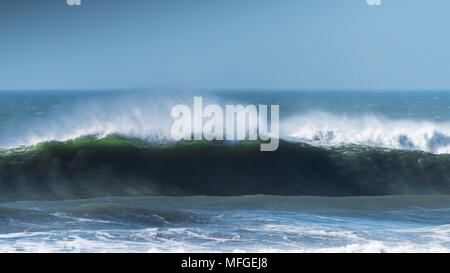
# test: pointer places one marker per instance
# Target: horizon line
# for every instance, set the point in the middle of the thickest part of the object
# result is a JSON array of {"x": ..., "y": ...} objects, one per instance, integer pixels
[{"x": 254, "y": 89}]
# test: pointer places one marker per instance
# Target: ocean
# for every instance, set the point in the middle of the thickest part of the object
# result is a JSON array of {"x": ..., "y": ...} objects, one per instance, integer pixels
[{"x": 97, "y": 171}]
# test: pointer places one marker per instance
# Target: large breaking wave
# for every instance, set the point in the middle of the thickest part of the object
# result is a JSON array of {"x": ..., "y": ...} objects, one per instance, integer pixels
[{"x": 121, "y": 146}]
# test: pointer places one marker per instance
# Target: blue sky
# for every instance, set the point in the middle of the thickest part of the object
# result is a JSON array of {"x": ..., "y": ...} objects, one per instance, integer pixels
[{"x": 225, "y": 44}]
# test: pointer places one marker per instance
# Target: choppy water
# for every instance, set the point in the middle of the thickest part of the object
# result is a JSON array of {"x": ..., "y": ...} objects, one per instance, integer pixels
[{"x": 230, "y": 224}]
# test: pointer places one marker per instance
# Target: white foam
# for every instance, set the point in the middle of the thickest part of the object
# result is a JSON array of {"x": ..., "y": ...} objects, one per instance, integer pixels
[
  {"x": 328, "y": 129},
  {"x": 424, "y": 239}
]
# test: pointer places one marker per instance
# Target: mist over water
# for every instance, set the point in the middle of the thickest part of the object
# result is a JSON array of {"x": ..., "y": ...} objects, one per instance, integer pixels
[{"x": 409, "y": 120}]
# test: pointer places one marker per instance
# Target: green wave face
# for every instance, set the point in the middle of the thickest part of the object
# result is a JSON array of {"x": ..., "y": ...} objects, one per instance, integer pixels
[{"x": 116, "y": 166}]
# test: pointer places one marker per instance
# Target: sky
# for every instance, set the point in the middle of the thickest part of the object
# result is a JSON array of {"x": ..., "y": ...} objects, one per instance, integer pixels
[{"x": 225, "y": 44}]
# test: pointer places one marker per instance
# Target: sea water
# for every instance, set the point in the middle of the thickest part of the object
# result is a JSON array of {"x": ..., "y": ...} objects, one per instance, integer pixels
[{"x": 358, "y": 171}]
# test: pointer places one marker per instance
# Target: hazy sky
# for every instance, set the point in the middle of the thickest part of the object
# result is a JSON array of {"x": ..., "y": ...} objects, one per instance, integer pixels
[{"x": 225, "y": 44}]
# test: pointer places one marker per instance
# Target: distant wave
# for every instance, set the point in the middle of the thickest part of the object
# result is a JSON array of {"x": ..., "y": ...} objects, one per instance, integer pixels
[{"x": 116, "y": 166}]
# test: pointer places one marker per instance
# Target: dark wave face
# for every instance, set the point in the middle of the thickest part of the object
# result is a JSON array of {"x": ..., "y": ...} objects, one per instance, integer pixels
[{"x": 114, "y": 166}]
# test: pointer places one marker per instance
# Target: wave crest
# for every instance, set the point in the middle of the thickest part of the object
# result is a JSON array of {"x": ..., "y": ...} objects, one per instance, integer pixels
[{"x": 148, "y": 118}]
